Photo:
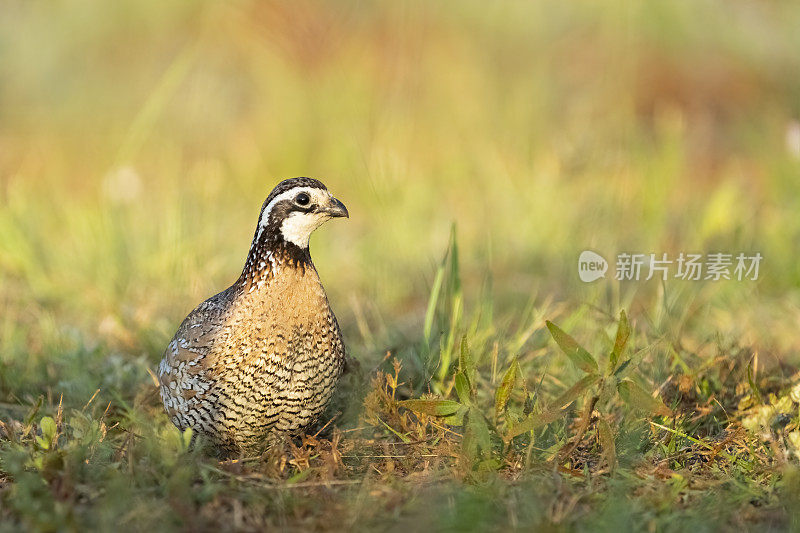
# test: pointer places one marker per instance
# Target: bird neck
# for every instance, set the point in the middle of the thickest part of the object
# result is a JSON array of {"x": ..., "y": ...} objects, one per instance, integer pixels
[{"x": 269, "y": 256}]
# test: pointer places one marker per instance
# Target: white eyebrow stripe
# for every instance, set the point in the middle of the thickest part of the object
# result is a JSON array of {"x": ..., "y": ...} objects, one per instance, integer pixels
[{"x": 264, "y": 220}]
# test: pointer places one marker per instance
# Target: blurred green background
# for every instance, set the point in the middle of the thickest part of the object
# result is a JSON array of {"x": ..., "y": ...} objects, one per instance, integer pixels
[{"x": 139, "y": 138}]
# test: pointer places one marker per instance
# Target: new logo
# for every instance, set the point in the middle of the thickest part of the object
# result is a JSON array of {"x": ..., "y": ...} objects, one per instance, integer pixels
[{"x": 591, "y": 266}]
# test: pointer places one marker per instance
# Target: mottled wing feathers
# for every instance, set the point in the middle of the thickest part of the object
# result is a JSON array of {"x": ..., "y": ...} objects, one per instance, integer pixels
[{"x": 182, "y": 372}]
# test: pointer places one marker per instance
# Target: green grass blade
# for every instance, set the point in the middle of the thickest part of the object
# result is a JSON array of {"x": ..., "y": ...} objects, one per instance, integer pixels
[
  {"x": 503, "y": 392},
  {"x": 433, "y": 299},
  {"x": 606, "y": 438},
  {"x": 574, "y": 392},
  {"x": 463, "y": 388},
  {"x": 576, "y": 353},
  {"x": 432, "y": 407},
  {"x": 535, "y": 421},
  {"x": 465, "y": 361},
  {"x": 639, "y": 399},
  {"x": 623, "y": 333}
]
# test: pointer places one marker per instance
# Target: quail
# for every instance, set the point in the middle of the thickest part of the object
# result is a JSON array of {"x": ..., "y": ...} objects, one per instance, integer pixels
[{"x": 262, "y": 358}]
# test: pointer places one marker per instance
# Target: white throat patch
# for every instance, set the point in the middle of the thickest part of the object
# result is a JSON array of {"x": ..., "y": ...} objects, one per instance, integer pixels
[{"x": 297, "y": 227}]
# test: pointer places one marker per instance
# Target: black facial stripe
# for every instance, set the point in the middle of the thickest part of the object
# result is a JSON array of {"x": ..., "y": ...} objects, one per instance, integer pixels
[{"x": 284, "y": 208}]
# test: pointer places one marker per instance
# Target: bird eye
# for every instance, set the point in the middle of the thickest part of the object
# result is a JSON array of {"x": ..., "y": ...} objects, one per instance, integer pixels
[{"x": 302, "y": 199}]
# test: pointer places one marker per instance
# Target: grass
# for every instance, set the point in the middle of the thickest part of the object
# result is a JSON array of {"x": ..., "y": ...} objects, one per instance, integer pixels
[{"x": 479, "y": 149}]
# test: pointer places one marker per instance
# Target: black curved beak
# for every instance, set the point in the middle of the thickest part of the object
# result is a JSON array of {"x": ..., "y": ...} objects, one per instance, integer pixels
[{"x": 336, "y": 209}]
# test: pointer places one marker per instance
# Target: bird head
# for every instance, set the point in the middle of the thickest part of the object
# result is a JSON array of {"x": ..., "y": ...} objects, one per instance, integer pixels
[{"x": 294, "y": 209}]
